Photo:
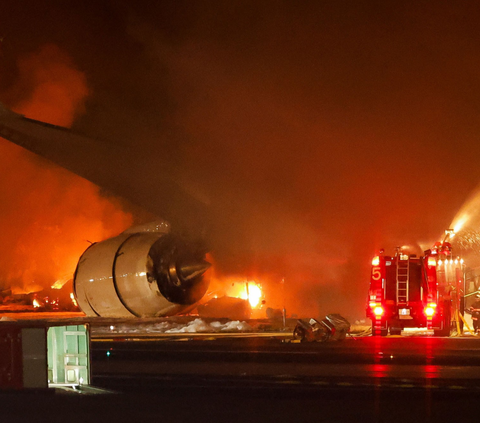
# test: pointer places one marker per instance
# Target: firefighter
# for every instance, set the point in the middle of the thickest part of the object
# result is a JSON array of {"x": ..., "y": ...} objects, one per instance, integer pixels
[{"x": 475, "y": 310}]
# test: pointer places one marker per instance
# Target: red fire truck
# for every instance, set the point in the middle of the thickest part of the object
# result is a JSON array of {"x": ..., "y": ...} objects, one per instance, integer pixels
[{"x": 420, "y": 292}]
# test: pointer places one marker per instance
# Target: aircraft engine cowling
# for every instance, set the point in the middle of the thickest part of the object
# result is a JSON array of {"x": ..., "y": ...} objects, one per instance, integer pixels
[{"x": 142, "y": 273}]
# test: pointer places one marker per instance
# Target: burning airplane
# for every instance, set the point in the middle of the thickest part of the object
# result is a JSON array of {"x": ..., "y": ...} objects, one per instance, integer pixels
[{"x": 151, "y": 270}]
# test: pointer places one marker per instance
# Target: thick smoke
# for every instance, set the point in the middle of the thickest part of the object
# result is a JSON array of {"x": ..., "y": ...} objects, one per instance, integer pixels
[
  {"x": 48, "y": 216},
  {"x": 307, "y": 177},
  {"x": 319, "y": 132}
]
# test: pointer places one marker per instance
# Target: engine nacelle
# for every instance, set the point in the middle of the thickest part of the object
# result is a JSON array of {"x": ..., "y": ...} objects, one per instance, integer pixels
[{"x": 144, "y": 272}]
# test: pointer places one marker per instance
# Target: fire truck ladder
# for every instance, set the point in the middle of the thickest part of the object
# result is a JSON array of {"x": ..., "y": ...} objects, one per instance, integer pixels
[{"x": 402, "y": 280}]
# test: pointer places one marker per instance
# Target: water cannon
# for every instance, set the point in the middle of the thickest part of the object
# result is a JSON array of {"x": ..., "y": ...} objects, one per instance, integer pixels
[{"x": 449, "y": 234}]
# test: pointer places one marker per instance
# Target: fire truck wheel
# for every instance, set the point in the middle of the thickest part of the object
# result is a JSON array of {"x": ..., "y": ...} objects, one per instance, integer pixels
[
  {"x": 442, "y": 332},
  {"x": 447, "y": 324},
  {"x": 383, "y": 331}
]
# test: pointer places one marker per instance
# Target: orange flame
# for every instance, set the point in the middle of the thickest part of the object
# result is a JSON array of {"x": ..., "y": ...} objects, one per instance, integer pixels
[
  {"x": 74, "y": 301},
  {"x": 51, "y": 213},
  {"x": 249, "y": 290}
]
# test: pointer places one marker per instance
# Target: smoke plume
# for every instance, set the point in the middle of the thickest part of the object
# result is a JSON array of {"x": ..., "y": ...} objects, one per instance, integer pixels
[
  {"x": 312, "y": 158},
  {"x": 319, "y": 132},
  {"x": 48, "y": 216}
]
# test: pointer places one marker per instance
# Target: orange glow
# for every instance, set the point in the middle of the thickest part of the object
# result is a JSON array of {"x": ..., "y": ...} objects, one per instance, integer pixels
[
  {"x": 432, "y": 261},
  {"x": 74, "y": 301},
  {"x": 378, "y": 311},
  {"x": 52, "y": 215},
  {"x": 250, "y": 291},
  {"x": 234, "y": 286},
  {"x": 376, "y": 261},
  {"x": 36, "y": 304},
  {"x": 254, "y": 295},
  {"x": 60, "y": 282}
]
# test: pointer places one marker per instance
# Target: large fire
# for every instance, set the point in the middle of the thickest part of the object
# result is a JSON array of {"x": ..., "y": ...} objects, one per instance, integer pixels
[
  {"x": 244, "y": 289},
  {"x": 233, "y": 298},
  {"x": 249, "y": 290},
  {"x": 52, "y": 215}
]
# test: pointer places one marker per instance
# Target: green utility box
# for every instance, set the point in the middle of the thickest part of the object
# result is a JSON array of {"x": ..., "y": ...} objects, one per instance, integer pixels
[{"x": 68, "y": 351}]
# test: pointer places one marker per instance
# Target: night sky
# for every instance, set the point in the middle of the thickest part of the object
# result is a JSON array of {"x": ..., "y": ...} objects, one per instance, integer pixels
[{"x": 317, "y": 132}]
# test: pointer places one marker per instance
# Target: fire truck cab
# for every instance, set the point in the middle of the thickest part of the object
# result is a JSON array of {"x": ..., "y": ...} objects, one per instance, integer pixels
[{"x": 418, "y": 292}]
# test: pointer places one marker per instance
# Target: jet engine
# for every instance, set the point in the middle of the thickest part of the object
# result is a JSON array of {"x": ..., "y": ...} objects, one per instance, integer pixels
[{"x": 145, "y": 272}]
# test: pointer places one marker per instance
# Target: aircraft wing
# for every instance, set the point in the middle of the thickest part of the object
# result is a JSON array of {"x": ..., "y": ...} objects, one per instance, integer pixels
[{"x": 118, "y": 170}]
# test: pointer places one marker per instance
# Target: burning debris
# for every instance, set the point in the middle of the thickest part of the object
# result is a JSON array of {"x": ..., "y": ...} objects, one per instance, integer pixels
[
  {"x": 234, "y": 300},
  {"x": 59, "y": 297},
  {"x": 249, "y": 291},
  {"x": 226, "y": 307}
]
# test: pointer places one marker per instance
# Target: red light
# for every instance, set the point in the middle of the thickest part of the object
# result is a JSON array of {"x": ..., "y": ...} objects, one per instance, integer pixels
[
  {"x": 378, "y": 311},
  {"x": 432, "y": 261},
  {"x": 430, "y": 309}
]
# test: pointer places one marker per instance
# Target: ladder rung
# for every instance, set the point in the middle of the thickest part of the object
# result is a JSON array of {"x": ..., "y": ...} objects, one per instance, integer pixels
[{"x": 402, "y": 276}]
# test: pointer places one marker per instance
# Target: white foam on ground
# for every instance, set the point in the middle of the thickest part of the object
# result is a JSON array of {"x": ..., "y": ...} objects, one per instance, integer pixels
[
  {"x": 199, "y": 326},
  {"x": 195, "y": 326}
]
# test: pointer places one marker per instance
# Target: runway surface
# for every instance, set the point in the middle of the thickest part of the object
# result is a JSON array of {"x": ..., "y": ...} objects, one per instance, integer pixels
[
  {"x": 389, "y": 379},
  {"x": 368, "y": 361},
  {"x": 265, "y": 378}
]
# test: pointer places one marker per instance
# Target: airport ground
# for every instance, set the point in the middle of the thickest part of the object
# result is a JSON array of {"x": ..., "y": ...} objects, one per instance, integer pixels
[{"x": 267, "y": 378}]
